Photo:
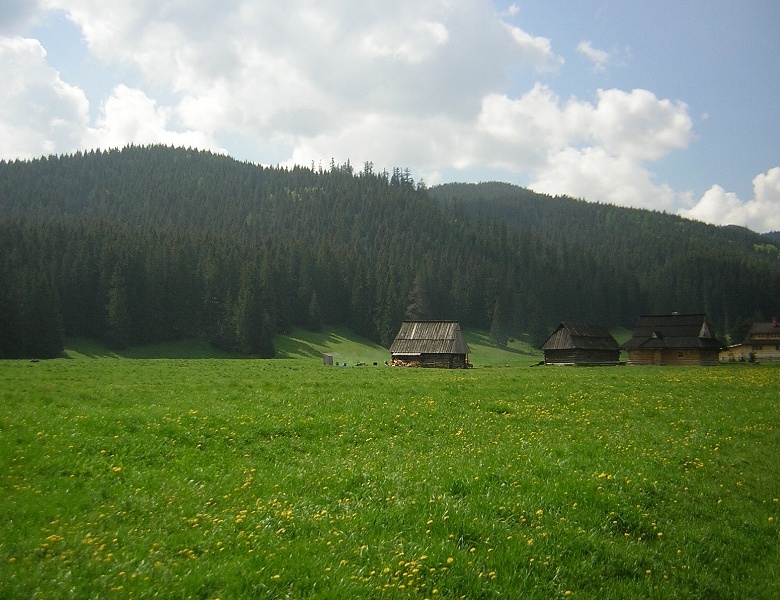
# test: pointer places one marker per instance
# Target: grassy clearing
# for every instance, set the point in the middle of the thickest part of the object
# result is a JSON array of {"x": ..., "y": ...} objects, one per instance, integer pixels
[
  {"x": 345, "y": 346},
  {"x": 246, "y": 478}
]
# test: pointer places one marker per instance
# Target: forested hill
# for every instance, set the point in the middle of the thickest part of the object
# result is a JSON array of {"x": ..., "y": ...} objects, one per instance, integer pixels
[
  {"x": 152, "y": 244},
  {"x": 731, "y": 273},
  {"x": 592, "y": 225}
]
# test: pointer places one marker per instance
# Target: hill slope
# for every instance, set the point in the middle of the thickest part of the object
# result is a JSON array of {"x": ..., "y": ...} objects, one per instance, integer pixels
[
  {"x": 155, "y": 244},
  {"x": 730, "y": 272}
]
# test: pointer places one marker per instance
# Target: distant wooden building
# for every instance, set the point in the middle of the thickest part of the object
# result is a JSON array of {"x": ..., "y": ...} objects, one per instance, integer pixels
[
  {"x": 673, "y": 340},
  {"x": 581, "y": 344},
  {"x": 430, "y": 344},
  {"x": 761, "y": 343}
]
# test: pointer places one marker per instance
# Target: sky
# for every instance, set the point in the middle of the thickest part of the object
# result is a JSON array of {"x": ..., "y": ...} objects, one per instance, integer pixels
[{"x": 667, "y": 105}]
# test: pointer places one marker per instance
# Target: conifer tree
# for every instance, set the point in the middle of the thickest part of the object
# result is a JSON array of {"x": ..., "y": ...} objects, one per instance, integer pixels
[
  {"x": 118, "y": 312},
  {"x": 314, "y": 317}
]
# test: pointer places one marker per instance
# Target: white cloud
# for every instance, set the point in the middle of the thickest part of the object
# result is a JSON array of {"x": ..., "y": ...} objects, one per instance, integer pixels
[
  {"x": 599, "y": 58},
  {"x": 594, "y": 152},
  {"x": 413, "y": 45},
  {"x": 594, "y": 174},
  {"x": 536, "y": 51},
  {"x": 638, "y": 125},
  {"x": 256, "y": 67},
  {"x": 129, "y": 116},
  {"x": 39, "y": 113},
  {"x": 762, "y": 213}
]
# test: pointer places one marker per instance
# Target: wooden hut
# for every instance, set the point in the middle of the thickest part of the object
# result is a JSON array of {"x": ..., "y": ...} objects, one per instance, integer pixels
[
  {"x": 430, "y": 344},
  {"x": 581, "y": 344},
  {"x": 673, "y": 340}
]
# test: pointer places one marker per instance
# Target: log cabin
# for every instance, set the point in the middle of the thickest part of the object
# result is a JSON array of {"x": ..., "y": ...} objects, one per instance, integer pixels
[
  {"x": 430, "y": 344},
  {"x": 581, "y": 344},
  {"x": 673, "y": 340}
]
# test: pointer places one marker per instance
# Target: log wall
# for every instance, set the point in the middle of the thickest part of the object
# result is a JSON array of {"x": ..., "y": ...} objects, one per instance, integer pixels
[
  {"x": 573, "y": 356},
  {"x": 685, "y": 356}
]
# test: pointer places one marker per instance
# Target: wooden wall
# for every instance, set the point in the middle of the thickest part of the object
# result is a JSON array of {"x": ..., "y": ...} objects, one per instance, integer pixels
[
  {"x": 438, "y": 361},
  {"x": 571, "y": 356},
  {"x": 684, "y": 356}
]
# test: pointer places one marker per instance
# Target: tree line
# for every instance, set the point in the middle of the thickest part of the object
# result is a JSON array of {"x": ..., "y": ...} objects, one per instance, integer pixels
[{"x": 155, "y": 244}]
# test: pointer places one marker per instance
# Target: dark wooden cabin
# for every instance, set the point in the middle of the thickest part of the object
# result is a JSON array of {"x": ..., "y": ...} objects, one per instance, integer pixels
[
  {"x": 673, "y": 340},
  {"x": 430, "y": 344},
  {"x": 581, "y": 344}
]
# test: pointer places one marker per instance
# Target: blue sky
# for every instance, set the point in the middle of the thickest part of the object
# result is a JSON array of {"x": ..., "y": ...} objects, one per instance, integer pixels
[{"x": 666, "y": 105}]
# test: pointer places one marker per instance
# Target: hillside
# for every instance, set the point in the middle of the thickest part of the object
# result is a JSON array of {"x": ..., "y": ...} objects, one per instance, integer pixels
[
  {"x": 154, "y": 244},
  {"x": 731, "y": 273}
]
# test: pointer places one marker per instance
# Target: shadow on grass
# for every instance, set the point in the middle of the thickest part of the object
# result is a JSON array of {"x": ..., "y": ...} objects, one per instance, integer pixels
[
  {"x": 305, "y": 344},
  {"x": 300, "y": 343},
  {"x": 483, "y": 339},
  {"x": 183, "y": 349}
]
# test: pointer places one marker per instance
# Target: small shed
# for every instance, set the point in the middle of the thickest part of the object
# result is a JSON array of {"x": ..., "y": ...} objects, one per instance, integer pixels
[
  {"x": 430, "y": 344},
  {"x": 673, "y": 340},
  {"x": 581, "y": 344}
]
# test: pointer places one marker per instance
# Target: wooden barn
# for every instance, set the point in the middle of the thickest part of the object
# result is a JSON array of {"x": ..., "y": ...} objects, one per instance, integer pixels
[
  {"x": 673, "y": 340},
  {"x": 581, "y": 344},
  {"x": 430, "y": 344}
]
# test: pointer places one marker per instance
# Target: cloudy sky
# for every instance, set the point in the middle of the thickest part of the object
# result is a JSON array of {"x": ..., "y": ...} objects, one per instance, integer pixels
[{"x": 671, "y": 105}]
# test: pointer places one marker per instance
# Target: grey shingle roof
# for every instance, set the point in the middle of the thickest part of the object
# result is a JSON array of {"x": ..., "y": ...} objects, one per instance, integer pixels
[
  {"x": 762, "y": 328},
  {"x": 584, "y": 336},
  {"x": 429, "y": 337},
  {"x": 673, "y": 331}
]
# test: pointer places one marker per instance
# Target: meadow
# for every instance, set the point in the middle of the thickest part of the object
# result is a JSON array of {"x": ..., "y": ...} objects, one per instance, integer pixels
[{"x": 215, "y": 478}]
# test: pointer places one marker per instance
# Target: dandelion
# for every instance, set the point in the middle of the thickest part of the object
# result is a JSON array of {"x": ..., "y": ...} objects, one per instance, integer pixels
[{"x": 450, "y": 560}]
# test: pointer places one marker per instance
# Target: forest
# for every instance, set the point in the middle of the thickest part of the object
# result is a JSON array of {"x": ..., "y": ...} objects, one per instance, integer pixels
[{"x": 153, "y": 244}]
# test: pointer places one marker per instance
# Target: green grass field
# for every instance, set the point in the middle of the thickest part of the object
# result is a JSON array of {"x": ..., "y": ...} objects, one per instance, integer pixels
[{"x": 212, "y": 478}]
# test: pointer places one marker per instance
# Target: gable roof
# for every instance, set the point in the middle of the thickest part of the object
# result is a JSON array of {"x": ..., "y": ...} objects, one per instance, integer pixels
[
  {"x": 429, "y": 337},
  {"x": 772, "y": 329},
  {"x": 580, "y": 336},
  {"x": 673, "y": 331}
]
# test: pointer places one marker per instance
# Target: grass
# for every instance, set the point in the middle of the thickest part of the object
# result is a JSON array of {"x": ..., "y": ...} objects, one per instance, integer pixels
[
  {"x": 345, "y": 347},
  {"x": 273, "y": 479},
  {"x": 341, "y": 343},
  {"x": 85, "y": 348}
]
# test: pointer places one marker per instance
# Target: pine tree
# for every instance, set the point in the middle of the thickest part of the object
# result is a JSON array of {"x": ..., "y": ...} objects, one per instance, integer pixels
[
  {"x": 418, "y": 305},
  {"x": 498, "y": 325},
  {"x": 314, "y": 318},
  {"x": 118, "y": 312}
]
